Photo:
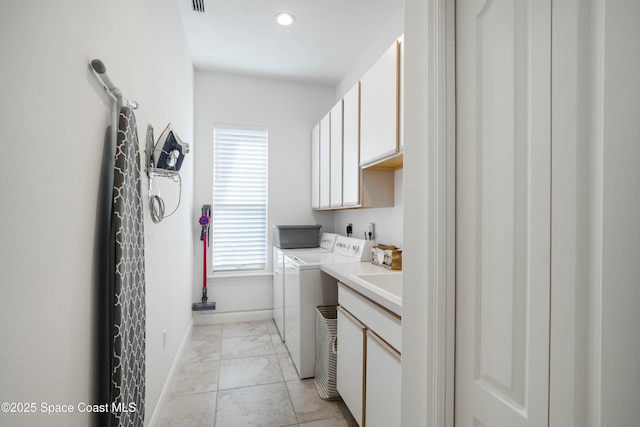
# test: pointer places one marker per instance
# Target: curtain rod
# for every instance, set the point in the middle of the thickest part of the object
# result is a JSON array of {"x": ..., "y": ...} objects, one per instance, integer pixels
[{"x": 101, "y": 71}]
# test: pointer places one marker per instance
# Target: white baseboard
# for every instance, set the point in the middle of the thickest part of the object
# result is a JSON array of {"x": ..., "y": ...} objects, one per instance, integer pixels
[
  {"x": 212, "y": 318},
  {"x": 169, "y": 380}
]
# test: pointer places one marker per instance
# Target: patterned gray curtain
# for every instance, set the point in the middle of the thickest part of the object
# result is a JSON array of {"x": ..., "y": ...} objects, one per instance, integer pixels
[{"x": 128, "y": 330}]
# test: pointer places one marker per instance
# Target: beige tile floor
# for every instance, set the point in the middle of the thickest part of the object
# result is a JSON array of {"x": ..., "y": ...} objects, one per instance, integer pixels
[{"x": 240, "y": 374}]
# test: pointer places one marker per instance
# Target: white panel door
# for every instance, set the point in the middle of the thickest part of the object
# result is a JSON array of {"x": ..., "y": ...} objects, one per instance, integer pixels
[{"x": 503, "y": 51}]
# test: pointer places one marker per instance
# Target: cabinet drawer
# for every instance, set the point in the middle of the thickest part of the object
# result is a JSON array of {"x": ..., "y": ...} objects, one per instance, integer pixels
[{"x": 386, "y": 325}]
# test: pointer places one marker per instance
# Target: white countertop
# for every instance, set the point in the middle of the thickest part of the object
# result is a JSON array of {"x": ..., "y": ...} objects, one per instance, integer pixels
[{"x": 389, "y": 297}]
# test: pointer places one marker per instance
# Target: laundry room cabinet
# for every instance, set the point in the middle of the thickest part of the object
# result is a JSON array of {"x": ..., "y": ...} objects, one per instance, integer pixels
[
  {"x": 380, "y": 108},
  {"x": 382, "y": 389},
  {"x": 315, "y": 167},
  {"x": 368, "y": 360},
  {"x": 321, "y": 164},
  {"x": 336, "y": 156},
  {"x": 337, "y": 181},
  {"x": 351, "y": 147},
  {"x": 350, "y": 367},
  {"x": 325, "y": 162},
  {"x": 358, "y": 145}
]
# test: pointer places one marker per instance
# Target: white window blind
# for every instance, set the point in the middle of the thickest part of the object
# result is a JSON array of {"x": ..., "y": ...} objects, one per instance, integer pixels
[{"x": 239, "y": 217}]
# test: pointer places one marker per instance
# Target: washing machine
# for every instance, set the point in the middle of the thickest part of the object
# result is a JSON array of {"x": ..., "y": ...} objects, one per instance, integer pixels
[{"x": 305, "y": 288}]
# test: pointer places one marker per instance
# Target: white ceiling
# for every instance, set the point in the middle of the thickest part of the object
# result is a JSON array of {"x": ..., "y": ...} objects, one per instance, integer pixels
[{"x": 241, "y": 36}]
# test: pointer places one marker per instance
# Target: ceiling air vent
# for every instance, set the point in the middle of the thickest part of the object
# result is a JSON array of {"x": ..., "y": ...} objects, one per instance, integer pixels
[{"x": 198, "y": 5}]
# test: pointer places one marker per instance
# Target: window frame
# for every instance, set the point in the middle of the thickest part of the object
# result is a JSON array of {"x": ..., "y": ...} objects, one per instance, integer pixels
[{"x": 228, "y": 198}]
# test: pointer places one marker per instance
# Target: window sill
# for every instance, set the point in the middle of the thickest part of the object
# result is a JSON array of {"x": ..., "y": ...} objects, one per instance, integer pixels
[{"x": 240, "y": 274}]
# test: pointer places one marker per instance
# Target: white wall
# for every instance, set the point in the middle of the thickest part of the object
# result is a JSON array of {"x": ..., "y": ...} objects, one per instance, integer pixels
[
  {"x": 387, "y": 221},
  {"x": 377, "y": 46},
  {"x": 53, "y": 116},
  {"x": 289, "y": 110}
]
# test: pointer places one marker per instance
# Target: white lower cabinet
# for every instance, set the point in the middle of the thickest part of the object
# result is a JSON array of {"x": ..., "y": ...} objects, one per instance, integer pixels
[
  {"x": 368, "y": 371},
  {"x": 350, "y": 369},
  {"x": 382, "y": 383}
]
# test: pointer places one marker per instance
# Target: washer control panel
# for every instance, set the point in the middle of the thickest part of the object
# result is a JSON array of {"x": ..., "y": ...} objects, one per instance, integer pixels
[{"x": 358, "y": 249}]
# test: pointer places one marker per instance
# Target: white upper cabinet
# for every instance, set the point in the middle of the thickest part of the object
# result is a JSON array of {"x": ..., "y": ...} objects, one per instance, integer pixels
[
  {"x": 336, "y": 156},
  {"x": 380, "y": 108},
  {"x": 337, "y": 180},
  {"x": 351, "y": 148},
  {"x": 315, "y": 167},
  {"x": 325, "y": 162},
  {"x": 359, "y": 142}
]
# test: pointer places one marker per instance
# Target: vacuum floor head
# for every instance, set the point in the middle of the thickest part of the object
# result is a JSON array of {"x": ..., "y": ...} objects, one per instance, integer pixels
[{"x": 206, "y": 306}]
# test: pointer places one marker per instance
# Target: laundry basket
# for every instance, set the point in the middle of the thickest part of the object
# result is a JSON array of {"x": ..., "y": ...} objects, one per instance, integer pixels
[
  {"x": 296, "y": 236},
  {"x": 325, "y": 368}
]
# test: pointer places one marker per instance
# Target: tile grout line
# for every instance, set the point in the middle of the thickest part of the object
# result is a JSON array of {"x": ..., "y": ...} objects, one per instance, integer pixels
[
  {"x": 222, "y": 337},
  {"x": 281, "y": 359}
]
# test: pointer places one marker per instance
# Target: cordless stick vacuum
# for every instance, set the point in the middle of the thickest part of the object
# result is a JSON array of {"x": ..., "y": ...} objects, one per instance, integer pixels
[{"x": 205, "y": 222}]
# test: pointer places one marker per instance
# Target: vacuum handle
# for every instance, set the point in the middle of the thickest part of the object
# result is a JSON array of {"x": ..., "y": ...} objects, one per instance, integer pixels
[{"x": 205, "y": 222}]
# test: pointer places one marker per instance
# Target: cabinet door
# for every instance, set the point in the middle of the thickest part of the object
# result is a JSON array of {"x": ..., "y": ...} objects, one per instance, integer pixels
[
  {"x": 382, "y": 384},
  {"x": 336, "y": 155},
  {"x": 350, "y": 369},
  {"x": 325, "y": 162},
  {"x": 315, "y": 167},
  {"x": 351, "y": 149},
  {"x": 379, "y": 108}
]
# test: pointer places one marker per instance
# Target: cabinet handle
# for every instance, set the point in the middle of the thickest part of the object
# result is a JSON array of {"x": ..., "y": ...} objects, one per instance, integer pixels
[{"x": 382, "y": 343}]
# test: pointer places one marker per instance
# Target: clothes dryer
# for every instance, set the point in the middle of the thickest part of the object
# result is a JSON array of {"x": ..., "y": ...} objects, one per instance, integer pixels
[{"x": 327, "y": 241}]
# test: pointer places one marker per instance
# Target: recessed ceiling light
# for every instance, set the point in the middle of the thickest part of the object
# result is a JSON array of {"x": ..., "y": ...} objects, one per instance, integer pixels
[{"x": 285, "y": 18}]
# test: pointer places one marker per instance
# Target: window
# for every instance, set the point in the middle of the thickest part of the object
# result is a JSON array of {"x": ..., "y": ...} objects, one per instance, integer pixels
[{"x": 239, "y": 217}]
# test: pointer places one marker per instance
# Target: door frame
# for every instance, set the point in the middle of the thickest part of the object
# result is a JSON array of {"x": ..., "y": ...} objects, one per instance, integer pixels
[{"x": 428, "y": 312}]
